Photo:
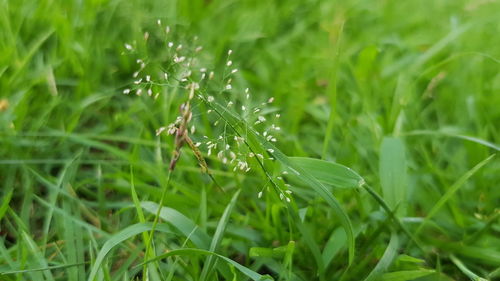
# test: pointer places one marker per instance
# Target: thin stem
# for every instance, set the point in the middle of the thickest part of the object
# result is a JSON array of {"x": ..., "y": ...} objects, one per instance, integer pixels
[
  {"x": 275, "y": 185},
  {"x": 156, "y": 219},
  {"x": 332, "y": 89}
]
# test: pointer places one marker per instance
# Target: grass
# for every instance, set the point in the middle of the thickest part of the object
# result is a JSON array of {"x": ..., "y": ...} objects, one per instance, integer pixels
[{"x": 404, "y": 93}]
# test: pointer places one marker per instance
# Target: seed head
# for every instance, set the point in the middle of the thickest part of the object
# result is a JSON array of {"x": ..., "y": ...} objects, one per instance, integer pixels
[{"x": 182, "y": 73}]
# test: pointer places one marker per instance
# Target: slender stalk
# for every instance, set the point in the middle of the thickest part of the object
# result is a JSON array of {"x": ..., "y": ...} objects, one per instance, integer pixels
[
  {"x": 155, "y": 222},
  {"x": 261, "y": 164},
  {"x": 332, "y": 95}
]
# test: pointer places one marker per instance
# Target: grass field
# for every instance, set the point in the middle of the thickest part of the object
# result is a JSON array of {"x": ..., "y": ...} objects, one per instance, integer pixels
[{"x": 404, "y": 93}]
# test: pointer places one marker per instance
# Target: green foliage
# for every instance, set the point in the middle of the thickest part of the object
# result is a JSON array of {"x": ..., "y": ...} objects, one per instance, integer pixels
[
  {"x": 384, "y": 166},
  {"x": 392, "y": 173}
]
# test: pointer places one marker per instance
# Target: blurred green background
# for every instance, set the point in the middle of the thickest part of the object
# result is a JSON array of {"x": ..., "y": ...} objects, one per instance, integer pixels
[{"x": 344, "y": 75}]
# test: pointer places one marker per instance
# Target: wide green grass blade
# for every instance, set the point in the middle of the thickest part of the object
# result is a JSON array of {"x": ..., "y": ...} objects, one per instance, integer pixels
[
  {"x": 185, "y": 225},
  {"x": 329, "y": 172},
  {"x": 118, "y": 238},
  {"x": 386, "y": 260},
  {"x": 333, "y": 246},
  {"x": 219, "y": 234},
  {"x": 392, "y": 173},
  {"x": 188, "y": 251}
]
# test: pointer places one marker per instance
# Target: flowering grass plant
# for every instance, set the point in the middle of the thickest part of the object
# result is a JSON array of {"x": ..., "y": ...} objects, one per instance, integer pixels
[{"x": 299, "y": 140}]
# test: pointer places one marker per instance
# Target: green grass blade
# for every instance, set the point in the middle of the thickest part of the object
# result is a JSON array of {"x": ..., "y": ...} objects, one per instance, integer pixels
[
  {"x": 494, "y": 274},
  {"x": 465, "y": 270},
  {"x": 391, "y": 214},
  {"x": 76, "y": 220},
  {"x": 333, "y": 246},
  {"x": 405, "y": 275},
  {"x": 386, "y": 260},
  {"x": 71, "y": 234},
  {"x": 439, "y": 46},
  {"x": 186, "y": 226},
  {"x": 35, "y": 46},
  {"x": 37, "y": 256},
  {"x": 188, "y": 251},
  {"x": 484, "y": 255},
  {"x": 118, "y": 238},
  {"x": 7, "y": 259},
  {"x": 332, "y": 92},
  {"x": 329, "y": 172},
  {"x": 392, "y": 173},
  {"x": 219, "y": 233},
  {"x": 62, "y": 266},
  {"x": 278, "y": 252},
  {"x": 309, "y": 241},
  {"x": 5, "y": 201},
  {"x": 452, "y": 190},
  {"x": 452, "y": 135},
  {"x": 140, "y": 214}
]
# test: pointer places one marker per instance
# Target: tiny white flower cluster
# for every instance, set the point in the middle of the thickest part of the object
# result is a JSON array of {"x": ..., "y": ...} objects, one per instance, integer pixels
[
  {"x": 177, "y": 70},
  {"x": 171, "y": 129},
  {"x": 181, "y": 73},
  {"x": 282, "y": 188}
]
